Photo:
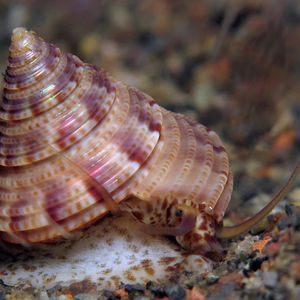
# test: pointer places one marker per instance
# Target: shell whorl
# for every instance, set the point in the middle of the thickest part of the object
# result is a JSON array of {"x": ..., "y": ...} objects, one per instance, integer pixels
[{"x": 54, "y": 103}]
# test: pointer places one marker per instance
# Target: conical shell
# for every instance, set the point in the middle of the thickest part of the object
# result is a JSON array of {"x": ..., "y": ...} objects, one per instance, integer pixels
[
  {"x": 52, "y": 103},
  {"x": 56, "y": 110}
]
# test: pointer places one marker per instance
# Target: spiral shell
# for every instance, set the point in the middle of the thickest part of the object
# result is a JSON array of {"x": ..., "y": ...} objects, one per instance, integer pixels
[{"x": 56, "y": 106}]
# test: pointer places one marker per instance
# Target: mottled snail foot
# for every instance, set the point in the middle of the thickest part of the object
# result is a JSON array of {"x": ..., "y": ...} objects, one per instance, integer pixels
[{"x": 197, "y": 263}]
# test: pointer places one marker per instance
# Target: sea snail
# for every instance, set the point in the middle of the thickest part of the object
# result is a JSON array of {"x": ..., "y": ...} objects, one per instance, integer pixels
[{"x": 76, "y": 144}]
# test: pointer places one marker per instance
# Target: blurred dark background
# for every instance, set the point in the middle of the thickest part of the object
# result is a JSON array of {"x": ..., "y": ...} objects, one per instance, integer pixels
[{"x": 232, "y": 65}]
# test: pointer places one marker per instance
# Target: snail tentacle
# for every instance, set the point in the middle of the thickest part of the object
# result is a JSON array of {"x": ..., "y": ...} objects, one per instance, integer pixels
[{"x": 232, "y": 231}]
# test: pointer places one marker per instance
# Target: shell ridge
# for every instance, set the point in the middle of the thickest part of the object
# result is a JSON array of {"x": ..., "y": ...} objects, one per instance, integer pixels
[
  {"x": 163, "y": 159},
  {"x": 223, "y": 201},
  {"x": 204, "y": 159},
  {"x": 218, "y": 176}
]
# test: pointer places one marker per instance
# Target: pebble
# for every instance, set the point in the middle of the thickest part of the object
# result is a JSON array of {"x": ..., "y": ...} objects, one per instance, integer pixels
[
  {"x": 175, "y": 292},
  {"x": 2, "y": 295},
  {"x": 130, "y": 288},
  {"x": 108, "y": 294},
  {"x": 245, "y": 245},
  {"x": 241, "y": 259},
  {"x": 90, "y": 45},
  {"x": 142, "y": 298},
  {"x": 224, "y": 292},
  {"x": 270, "y": 279},
  {"x": 156, "y": 289},
  {"x": 284, "y": 223},
  {"x": 43, "y": 296},
  {"x": 296, "y": 224},
  {"x": 289, "y": 209},
  {"x": 120, "y": 17},
  {"x": 174, "y": 64},
  {"x": 296, "y": 292},
  {"x": 85, "y": 297},
  {"x": 294, "y": 196},
  {"x": 253, "y": 282},
  {"x": 255, "y": 264},
  {"x": 228, "y": 289},
  {"x": 203, "y": 95},
  {"x": 211, "y": 279},
  {"x": 62, "y": 297}
]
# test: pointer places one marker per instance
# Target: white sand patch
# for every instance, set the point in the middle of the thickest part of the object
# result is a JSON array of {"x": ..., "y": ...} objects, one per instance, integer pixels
[{"x": 108, "y": 253}]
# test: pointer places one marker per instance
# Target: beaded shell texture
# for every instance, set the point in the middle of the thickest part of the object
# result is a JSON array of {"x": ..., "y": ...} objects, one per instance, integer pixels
[{"x": 56, "y": 109}]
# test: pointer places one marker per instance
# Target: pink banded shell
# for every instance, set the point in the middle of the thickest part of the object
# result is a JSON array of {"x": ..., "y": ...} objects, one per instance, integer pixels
[{"x": 54, "y": 103}]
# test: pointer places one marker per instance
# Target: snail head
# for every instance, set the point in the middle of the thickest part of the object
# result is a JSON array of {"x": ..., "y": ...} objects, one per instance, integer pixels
[
  {"x": 201, "y": 237},
  {"x": 193, "y": 229}
]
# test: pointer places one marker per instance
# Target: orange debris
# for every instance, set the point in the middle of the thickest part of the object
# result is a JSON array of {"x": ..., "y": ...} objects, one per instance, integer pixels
[
  {"x": 284, "y": 238},
  {"x": 296, "y": 270},
  {"x": 264, "y": 171},
  {"x": 232, "y": 277},
  {"x": 220, "y": 69},
  {"x": 274, "y": 248},
  {"x": 194, "y": 295},
  {"x": 121, "y": 292},
  {"x": 284, "y": 141},
  {"x": 260, "y": 245},
  {"x": 266, "y": 265}
]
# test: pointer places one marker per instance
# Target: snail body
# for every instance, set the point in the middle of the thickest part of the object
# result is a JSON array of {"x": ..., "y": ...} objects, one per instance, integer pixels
[{"x": 76, "y": 144}]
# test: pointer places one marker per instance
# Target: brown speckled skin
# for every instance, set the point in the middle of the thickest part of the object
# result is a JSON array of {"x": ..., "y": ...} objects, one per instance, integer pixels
[{"x": 133, "y": 149}]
